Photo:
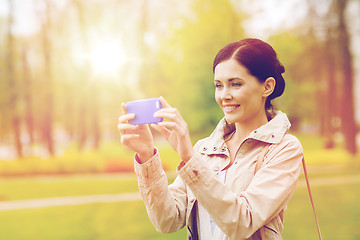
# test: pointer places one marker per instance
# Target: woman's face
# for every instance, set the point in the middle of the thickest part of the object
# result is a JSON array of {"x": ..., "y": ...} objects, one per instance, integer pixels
[{"x": 239, "y": 94}]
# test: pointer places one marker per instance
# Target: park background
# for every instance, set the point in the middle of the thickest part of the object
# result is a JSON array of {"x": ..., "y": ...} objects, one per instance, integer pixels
[{"x": 66, "y": 66}]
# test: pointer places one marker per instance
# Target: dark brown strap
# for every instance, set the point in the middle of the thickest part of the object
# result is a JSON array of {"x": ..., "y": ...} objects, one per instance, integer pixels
[{"x": 311, "y": 199}]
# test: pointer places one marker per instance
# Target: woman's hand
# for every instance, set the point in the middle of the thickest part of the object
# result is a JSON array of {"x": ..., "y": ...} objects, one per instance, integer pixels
[
  {"x": 136, "y": 137},
  {"x": 175, "y": 131}
]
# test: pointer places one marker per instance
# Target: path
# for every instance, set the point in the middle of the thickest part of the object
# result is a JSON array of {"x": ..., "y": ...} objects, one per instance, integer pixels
[{"x": 106, "y": 198}]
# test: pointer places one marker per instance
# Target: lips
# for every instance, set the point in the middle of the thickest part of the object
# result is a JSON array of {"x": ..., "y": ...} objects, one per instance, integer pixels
[{"x": 230, "y": 108}]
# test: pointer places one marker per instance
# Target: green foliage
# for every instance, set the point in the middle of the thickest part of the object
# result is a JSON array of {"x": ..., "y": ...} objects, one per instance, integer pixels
[
  {"x": 111, "y": 157},
  {"x": 166, "y": 55},
  {"x": 184, "y": 62},
  {"x": 300, "y": 96}
]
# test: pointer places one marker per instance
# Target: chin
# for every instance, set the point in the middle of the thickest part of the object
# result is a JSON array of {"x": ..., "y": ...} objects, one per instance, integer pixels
[{"x": 231, "y": 119}]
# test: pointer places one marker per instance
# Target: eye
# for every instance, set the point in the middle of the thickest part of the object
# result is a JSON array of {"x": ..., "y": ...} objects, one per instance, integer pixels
[
  {"x": 236, "y": 84},
  {"x": 218, "y": 85}
]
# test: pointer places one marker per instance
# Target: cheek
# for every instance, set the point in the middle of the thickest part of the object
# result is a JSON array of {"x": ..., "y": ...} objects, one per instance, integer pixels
[{"x": 217, "y": 97}]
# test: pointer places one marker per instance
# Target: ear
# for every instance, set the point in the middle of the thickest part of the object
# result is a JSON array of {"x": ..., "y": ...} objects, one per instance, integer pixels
[{"x": 269, "y": 86}]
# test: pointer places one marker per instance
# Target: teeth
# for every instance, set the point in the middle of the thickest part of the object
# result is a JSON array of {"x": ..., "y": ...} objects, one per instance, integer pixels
[{"x": 230, "y": 107}]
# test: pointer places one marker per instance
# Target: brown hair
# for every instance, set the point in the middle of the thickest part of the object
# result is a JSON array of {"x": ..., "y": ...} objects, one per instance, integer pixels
[{"x": 261, "y": 61}]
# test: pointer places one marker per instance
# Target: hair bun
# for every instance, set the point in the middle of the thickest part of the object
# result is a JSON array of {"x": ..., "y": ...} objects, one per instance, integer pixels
[{"x": 281, "y": 68}]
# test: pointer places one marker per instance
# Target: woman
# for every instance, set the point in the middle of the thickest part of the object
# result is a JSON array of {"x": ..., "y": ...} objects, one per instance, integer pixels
[{"x": 218, "y": 193}]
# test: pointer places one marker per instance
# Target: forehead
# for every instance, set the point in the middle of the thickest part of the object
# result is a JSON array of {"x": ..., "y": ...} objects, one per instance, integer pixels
[{"x": 230, "y": 69}]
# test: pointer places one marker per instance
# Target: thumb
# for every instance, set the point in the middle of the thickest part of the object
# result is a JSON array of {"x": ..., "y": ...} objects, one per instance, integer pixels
[
  {"x": 123, "y": 108},
  {"x": 164, "y": 103}
]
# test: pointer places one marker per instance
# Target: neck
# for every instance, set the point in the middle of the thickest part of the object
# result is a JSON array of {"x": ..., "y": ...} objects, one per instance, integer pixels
[{"x": 243, "y": 129}]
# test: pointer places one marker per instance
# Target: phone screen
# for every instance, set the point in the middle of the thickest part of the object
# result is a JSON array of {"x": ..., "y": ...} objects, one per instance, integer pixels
[{"x": 144, "y": 110}]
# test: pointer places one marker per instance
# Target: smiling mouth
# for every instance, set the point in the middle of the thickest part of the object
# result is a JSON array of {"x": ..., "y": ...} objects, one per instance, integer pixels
[{"x": 230, "y": 108}]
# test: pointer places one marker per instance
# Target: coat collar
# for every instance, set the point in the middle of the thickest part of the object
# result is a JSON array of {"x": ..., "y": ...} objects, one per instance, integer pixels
[{"x": 271, "y": 132}]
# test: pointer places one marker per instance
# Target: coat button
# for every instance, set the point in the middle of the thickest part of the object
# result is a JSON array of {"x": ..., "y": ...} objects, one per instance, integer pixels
[
  {"x": 215, "y": 148},
  {"x": 216, "y": 168},
  {"x": 223, "y": 149},
  {"x": 273, "y": 136},
  {"x": 204, "y": 148}
]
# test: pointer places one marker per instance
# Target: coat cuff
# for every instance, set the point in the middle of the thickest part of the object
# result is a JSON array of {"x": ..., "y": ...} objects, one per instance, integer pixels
[
  {"x": 150, "y": 170},
  {"x": 195, "y": 172}
]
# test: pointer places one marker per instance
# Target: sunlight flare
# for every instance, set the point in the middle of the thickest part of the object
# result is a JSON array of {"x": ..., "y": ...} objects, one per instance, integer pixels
[{"x": 107, "y": 56}]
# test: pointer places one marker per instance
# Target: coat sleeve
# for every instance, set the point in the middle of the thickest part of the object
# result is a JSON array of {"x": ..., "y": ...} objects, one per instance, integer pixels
[
  {"x": 165, "y": 205},
  {"x": 239, "y": 216}
]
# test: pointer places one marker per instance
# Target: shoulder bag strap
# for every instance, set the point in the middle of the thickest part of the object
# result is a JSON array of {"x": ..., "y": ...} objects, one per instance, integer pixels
[
  {"x": 258, "y": 166},
  {"x": 311, "y": 199}
]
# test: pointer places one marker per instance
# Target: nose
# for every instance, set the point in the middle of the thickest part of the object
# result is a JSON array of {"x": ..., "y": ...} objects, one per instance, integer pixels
[{"x": 226, "y": 95}]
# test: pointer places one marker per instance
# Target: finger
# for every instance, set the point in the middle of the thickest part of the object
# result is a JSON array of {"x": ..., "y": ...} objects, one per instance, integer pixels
[
  {"x": 169, "y": 125},
  {"x": 164, "y": 103},
  {"x": 173, "y": 115},
  {"x": 163, "y": 130},
  {"x": 125, "y": 139},
  {"x": 143, "y": 127},
  {"x": 123, "y": 108},
  {"x": 165, "y": 114},
  {"x": 124, "y": 130},
  {"x": 168, "y": 110},
  {"x": 125, "y": 126},
  {"x": 125, "y": 118},
  {"x": 181, "y": 130}
]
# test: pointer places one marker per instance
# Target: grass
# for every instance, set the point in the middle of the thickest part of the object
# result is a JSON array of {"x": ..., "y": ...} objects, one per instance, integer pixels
[
  {"x": 111, "y": 221},
  {"x": 337, "y": 206},
  {"x": 28, "y": 188}
]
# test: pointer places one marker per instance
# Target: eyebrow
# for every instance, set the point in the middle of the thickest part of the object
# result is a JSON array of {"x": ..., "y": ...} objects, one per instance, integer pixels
[{"x": 230, "y": 79}]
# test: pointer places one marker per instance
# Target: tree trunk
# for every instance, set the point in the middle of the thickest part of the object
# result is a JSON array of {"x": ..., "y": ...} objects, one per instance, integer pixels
[
  {"x": 330, "y": 99},
  {"x": 49, "y": 100},
  {"x": 347, "y": 113},
  {"x": 92, "y": 96},
  {"x": 14, "y": 98},
  {"x": 29, "y": 118}
]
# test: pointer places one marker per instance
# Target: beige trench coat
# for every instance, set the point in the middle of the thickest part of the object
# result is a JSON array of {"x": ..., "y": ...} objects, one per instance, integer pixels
[{"x": 241, "y": 206}]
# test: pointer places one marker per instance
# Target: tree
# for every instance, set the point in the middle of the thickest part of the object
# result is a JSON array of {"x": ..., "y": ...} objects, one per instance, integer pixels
[
  {"x": 28, "y": 94},
  {"x": 48, "y": 114},
  {"x": 337, "y": 101},
  {"x": 14, "y": 97},
  {"x": 84, "y": 107},
  {"x": 347, "y": 76}
]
